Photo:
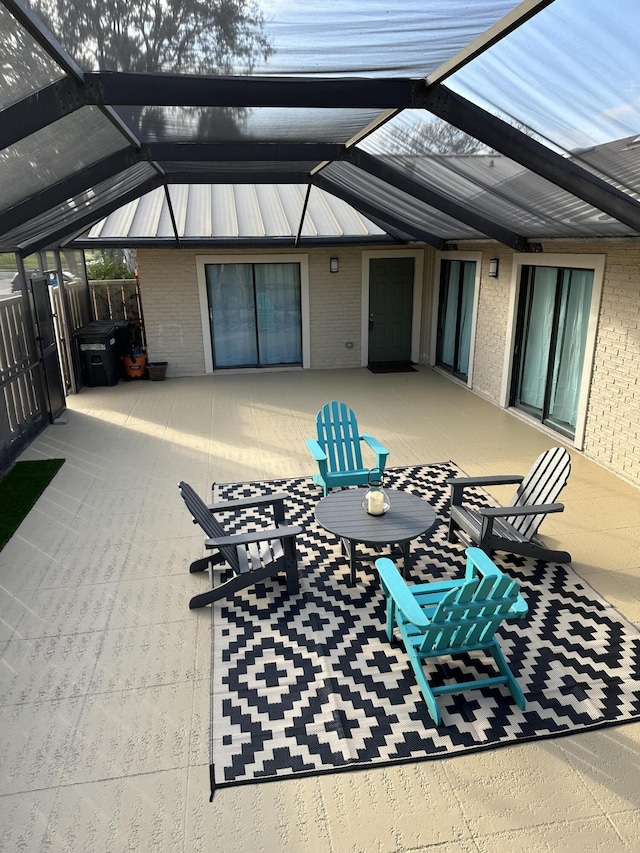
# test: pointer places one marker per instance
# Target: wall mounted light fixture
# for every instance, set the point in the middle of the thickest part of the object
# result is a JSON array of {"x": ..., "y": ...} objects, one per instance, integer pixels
[
  {"x": 334, "y": 265},
  {"x": 494, "y": 264}
]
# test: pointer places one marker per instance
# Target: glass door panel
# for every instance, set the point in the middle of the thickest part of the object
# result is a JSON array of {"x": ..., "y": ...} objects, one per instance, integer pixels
[
  {"x": 553, "y": 319},
  {"x": 570, "y": 345},
  {"x": 538, "y": 305},
  {"x": 278, "y": 313},
  {"x": 449, "y": 291},
  {"x": 466, "y": 317},
  {"x": 455, "y": 315},
  {"x": 255, "y": 314},
  {"x": 232, "y": 312}
]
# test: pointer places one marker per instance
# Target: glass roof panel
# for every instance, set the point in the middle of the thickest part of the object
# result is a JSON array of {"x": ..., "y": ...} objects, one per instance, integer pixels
[
  {"x": 618, "y": 162},
  {"x": 419, "y": 132},
  {"x": 441, "y": 157},
  {"x": 55, "y": 152},
  {"x": 510, "y": 195},
  {"x": 67, "y": 214},
  {"x": 342, "y": 37},
  {"x": 266, "y": 124},
  {"x": 407, "y": 38},
  {"x": 571, "y": 73},
  {"x": 25, "y": 67},
  {"x": 387, "y": 198}
]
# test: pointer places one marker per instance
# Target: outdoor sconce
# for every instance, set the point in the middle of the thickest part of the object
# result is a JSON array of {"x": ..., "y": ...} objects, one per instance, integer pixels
[
  {"x": 334, "y": 265},
  {"x": 494, "y": 263}
]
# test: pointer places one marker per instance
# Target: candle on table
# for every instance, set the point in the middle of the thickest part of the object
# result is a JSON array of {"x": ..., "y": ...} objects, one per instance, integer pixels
[{"x": 375, "y": 503}]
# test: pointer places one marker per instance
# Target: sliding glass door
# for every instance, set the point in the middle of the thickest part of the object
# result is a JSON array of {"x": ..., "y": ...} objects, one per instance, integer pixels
[
  {"x": 553, "y": 318},
  {"x": 455, "y": 314},
  {"x": 254, "y": 310}
]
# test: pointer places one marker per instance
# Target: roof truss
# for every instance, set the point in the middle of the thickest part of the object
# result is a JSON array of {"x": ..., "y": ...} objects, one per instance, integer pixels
[{"x": 111, "y": 89}]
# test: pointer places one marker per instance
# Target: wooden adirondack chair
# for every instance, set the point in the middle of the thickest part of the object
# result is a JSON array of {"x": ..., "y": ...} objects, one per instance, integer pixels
[
  {"x": 513, "y": 528},
  {"x": 452, "y": 617},
  {"x": 253, "y": 556},
  {"x": 337, "y": 448}
]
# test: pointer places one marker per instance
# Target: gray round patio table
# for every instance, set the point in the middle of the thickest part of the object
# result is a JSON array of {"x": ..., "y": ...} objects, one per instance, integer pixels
[{"x": 342, "y": 513}]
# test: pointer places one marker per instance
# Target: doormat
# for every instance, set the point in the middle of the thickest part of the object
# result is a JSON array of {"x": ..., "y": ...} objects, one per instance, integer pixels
[
  {"x": 20, "y": 489},
  {"x": 309, "y": 684},
  {"x": 391, "y": 367}
]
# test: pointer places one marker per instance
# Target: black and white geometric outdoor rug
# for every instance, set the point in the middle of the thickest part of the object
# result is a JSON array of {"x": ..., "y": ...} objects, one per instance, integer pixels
[{"x": 309, "y": 684}]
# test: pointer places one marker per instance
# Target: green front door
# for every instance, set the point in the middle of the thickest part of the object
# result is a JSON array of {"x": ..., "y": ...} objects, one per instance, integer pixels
[{"x": 390, "y": 309}]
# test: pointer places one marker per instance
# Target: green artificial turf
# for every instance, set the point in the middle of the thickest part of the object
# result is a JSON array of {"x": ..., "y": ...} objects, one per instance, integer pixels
[{"x": 20, "y": 489}]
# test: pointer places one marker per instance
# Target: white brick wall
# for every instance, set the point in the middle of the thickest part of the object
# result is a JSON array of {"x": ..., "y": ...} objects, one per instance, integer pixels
[
  {"x": 335, "y": 308},
  {"x": 613, "y": 418},
  {"x": 171, "y": 307},
  {"x": 491, "y": 327}
]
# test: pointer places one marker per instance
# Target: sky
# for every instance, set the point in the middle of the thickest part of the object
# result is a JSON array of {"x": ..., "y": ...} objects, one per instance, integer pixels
[
  {"x": 373, "y": 37},
  {"x": 572, "y": 72}
]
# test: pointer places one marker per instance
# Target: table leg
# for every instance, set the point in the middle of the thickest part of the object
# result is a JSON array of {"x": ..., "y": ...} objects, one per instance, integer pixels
[
  {"x": 405, "y": 558},
  {"x": 352, "y": 562},
  {"x": 349, "y": 550}
]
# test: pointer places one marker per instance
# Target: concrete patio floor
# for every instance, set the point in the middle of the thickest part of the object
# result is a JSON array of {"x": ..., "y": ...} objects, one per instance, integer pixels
[{"x": 104, "y": 683}]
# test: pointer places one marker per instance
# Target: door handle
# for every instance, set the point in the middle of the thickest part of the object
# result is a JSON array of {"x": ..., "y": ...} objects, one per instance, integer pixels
[{"x": 370, "y": 322}]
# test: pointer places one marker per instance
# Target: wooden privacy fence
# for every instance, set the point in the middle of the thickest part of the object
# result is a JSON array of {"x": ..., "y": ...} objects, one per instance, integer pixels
[
  {"x": 101, "y": 300},
  {"x": 23, "y": 412},
  {"x": 115, "y": 300}
]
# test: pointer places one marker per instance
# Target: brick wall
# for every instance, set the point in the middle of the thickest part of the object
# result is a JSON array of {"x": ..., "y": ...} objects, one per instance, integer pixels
[
  {"x": 171, "y": 308},
  {"x": 491, "y": 327},
  {"x": 335, "y": 308},
  {"x": 613, "y": 418}
]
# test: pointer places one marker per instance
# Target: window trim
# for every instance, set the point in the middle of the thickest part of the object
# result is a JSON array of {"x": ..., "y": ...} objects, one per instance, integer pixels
[
  {"x": 595, "y": 262},
  {"x": 302, "y": 260}
]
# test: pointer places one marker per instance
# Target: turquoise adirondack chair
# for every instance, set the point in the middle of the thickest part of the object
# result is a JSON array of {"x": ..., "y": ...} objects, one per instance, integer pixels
[
  {"x": 452, "y": 617},
  {"x": 337, "y": 448}
]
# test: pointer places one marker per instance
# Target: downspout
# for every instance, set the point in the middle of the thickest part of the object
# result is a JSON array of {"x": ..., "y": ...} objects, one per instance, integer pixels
[
  {"x": 302, "y": 215},
  {"x": 174, "y": 225}
]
